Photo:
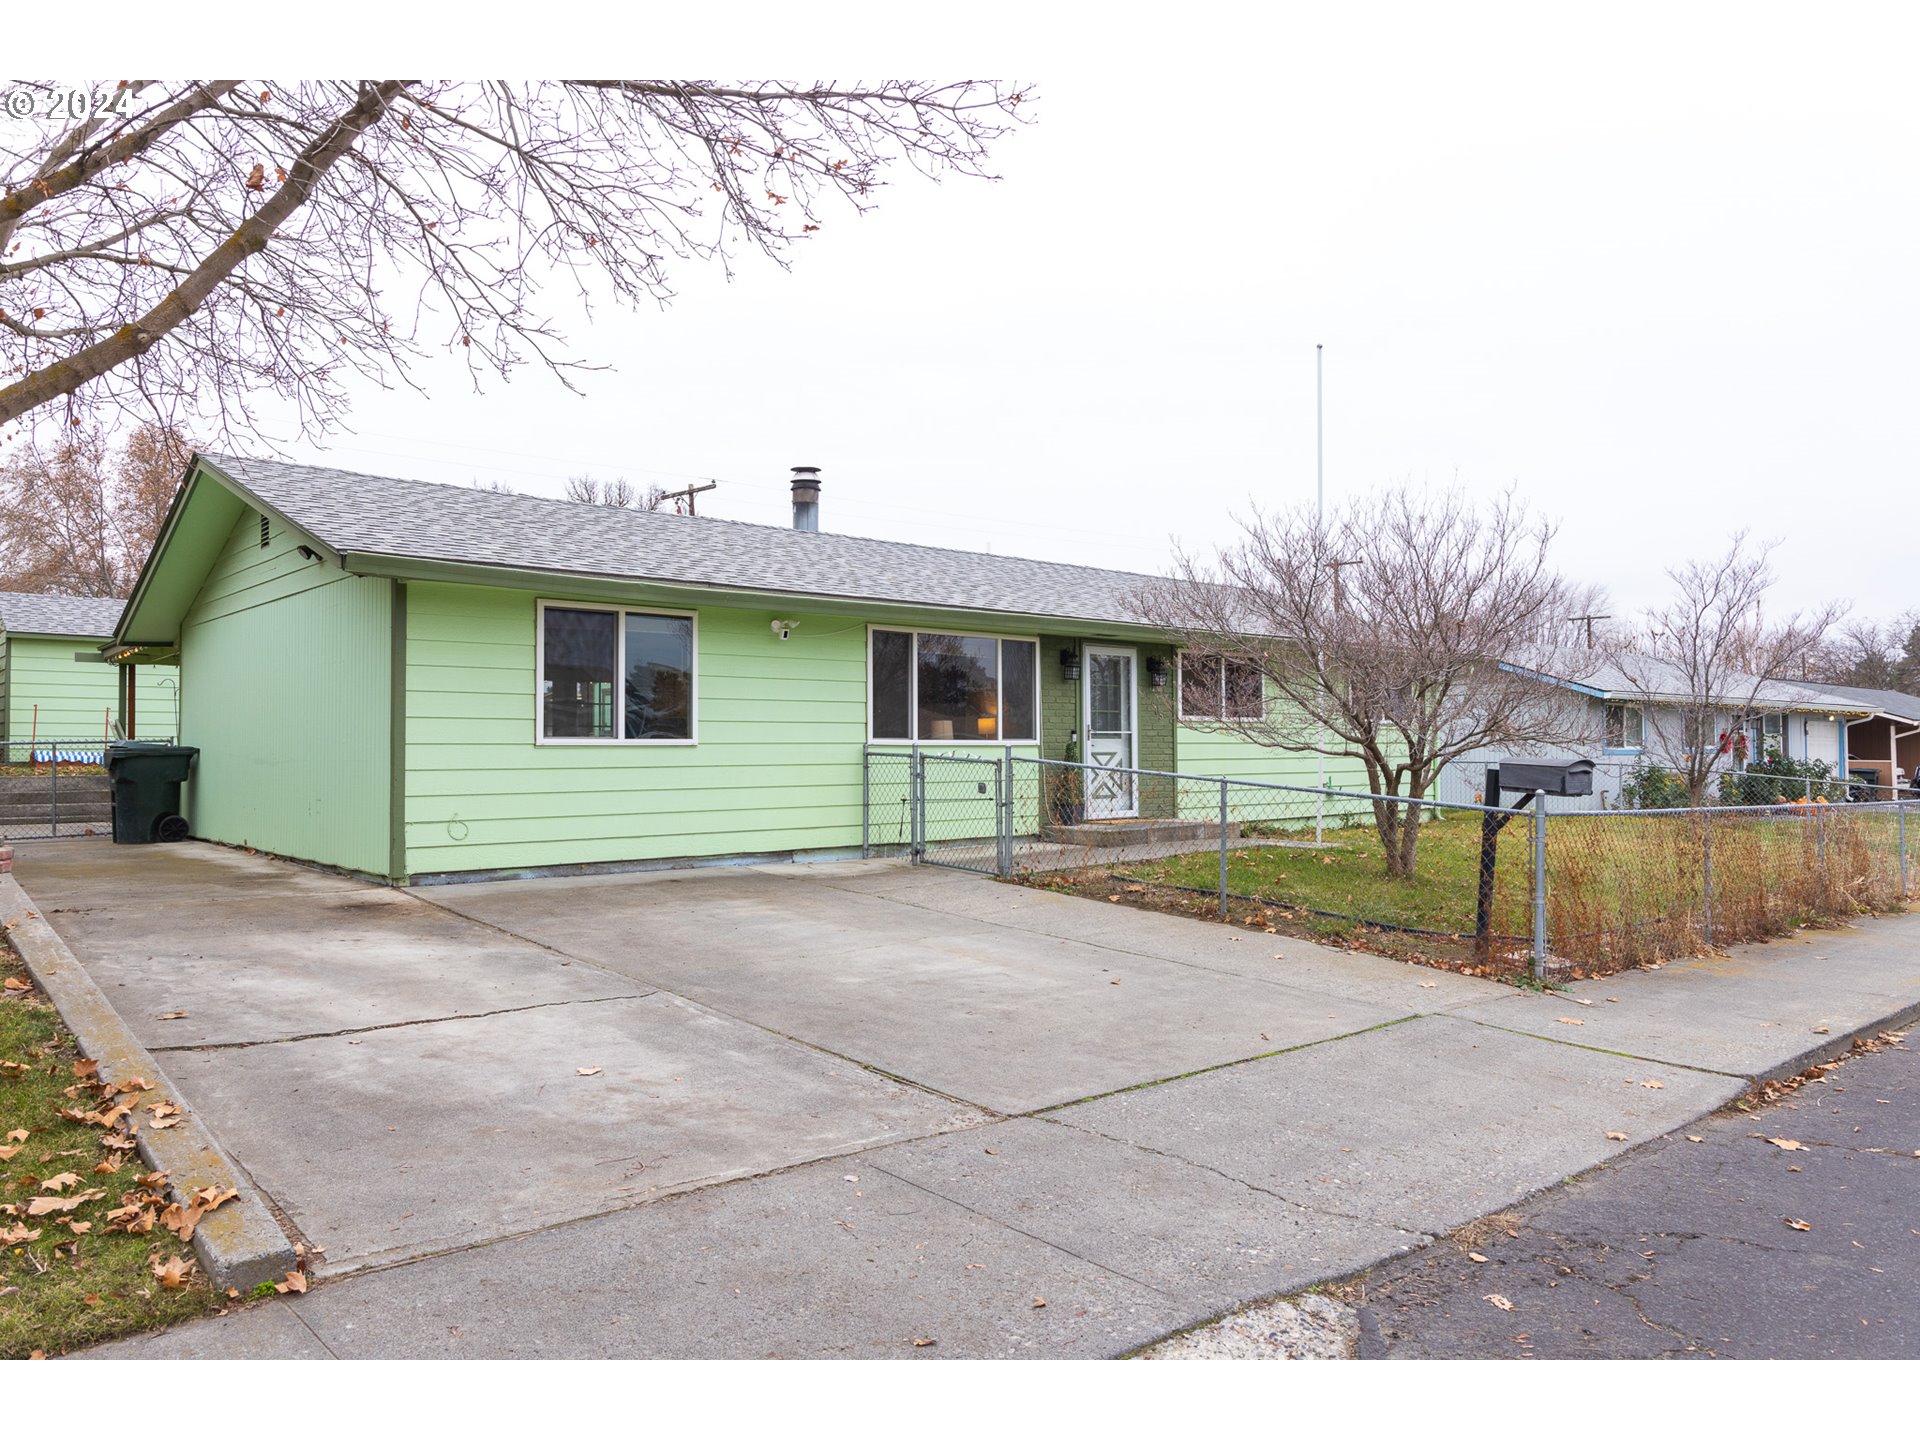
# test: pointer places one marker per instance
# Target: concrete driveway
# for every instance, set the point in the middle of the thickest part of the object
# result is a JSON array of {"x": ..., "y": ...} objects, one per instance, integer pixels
[{"x": 873, "y": 1103}]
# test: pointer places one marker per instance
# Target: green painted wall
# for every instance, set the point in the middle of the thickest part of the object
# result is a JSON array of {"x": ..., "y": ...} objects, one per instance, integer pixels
[
  {"x": 781, "y": 729},
  {"x": 1212, "y": 751},
  {"x": 75, "y": 699},
  {"x": 286, "y": 666}
]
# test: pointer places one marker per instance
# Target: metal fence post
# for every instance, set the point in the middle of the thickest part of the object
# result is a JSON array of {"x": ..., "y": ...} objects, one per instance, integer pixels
[
  {"x": 866, "y": 802},
  {"x": 1900, "y": 819},
  {"x": 1706, "y": 869},
  {"x": 1820, "y": 846},
  {"x": 1539, "y": 883},
  {"x": 53, "y": 794},
  {"x": 1223, "y": 849},
  {"x": 1002, "y": 817},
  {"x": 916, "y": 806}
]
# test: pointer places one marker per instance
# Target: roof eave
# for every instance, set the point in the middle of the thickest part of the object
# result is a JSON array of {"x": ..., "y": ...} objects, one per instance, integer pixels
[{"x": 591, "y": 584}]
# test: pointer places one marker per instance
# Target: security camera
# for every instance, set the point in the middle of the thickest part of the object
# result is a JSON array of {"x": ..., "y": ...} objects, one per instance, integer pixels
[{"x": 783, "y": 628}]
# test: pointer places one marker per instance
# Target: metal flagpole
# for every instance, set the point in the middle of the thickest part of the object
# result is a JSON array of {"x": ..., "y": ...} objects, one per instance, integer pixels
[{"x": 1319, "y": 517}]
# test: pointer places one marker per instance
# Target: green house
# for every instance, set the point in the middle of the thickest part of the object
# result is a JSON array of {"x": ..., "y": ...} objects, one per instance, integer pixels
[
  {"x": 421, "y": 681},
  {"x": 55, "y": 687}
]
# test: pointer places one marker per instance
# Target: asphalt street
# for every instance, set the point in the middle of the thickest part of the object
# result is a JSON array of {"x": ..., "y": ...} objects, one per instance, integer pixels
[{"x": 1730, "y": 1245}]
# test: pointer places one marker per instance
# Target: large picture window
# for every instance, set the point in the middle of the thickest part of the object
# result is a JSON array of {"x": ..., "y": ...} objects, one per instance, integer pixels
[
  {"x": 929, "y": 686},
  {"x": 1213, "y": 687},
  {"x": 620, "y": 676}
]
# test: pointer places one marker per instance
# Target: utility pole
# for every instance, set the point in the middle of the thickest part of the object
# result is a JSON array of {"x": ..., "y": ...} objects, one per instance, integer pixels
[
  {"x": 1319, "y": 526},
  {"x": 1588, "y": 621},
  {"x": 688, "y": 494}
]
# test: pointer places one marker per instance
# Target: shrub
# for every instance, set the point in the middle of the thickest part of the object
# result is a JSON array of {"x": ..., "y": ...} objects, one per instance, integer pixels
[{"x": 1652, "y": 787}]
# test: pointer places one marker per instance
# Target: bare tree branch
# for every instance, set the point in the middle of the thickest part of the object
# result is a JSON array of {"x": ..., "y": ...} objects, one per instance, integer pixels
[
  {"x": 1709, "y": 660},
  {"x": 225, "y": 241},
  {"x": 1404, "y": 632}
]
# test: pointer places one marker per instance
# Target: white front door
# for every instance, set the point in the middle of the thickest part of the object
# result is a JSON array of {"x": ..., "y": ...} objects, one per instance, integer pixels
[{"x": 1108, "y": 724}]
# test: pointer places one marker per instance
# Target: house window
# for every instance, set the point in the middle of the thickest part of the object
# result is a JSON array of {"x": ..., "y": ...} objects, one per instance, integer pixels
[
  {"x": 930, "y": 686},
  {"x": 1624, "y": 728},
  {"x": 615, "y": 675},
  {"x": 1213, "y": 687},
  {"x": 1770, "y": 737}
]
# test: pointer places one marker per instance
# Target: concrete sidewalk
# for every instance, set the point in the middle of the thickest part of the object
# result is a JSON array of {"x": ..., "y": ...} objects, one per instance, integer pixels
[{"x": 844, "y": 1109}]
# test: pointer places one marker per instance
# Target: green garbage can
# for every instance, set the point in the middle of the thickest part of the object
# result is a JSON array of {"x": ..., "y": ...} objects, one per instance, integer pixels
[{"x": 146, "y": 779}]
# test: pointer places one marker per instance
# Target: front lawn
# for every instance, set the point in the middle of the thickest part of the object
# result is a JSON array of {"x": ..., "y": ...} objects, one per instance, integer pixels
[
  {"x": 1346, "y": 877},
  {"x": 97, "y": 1260},
  {"x": 1623, "y": 888}
]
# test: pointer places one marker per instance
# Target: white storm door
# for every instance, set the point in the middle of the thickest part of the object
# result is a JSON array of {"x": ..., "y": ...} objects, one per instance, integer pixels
[
  {"x": 1823, "y": 741},
  {"x": 1109, "y": 728}
]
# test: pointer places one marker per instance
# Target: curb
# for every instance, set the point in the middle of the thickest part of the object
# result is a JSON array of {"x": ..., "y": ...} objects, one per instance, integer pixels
[
  {"x": 1835, "y": 1046},
  {"x": 240, "y": 1244}
]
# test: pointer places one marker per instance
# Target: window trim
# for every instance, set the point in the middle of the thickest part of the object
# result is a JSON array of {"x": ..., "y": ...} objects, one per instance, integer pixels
[
  {"x": 1221, "y": 718},
  {"x": 543, "y": 740},
  {"x": 913, "y": 683},
  {"x": 1622, "y": 749}
]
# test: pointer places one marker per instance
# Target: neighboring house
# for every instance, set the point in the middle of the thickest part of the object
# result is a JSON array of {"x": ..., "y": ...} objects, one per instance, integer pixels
[
  {"x": 1886, "y": 741},
  {"x": 54, "y": 685},
  {"x": 415, "y": 681},
  {"x": 1633, "y": 713}
]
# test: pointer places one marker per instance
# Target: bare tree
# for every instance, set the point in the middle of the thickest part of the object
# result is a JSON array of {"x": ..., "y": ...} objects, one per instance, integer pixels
[
  {"x": 1878, "y": 655},
  {"x": 617, "y": 494},
  {"x": 1405, "y": 631},
  {"x": 79, "y": 516},
  {"x": 214, "y": 240},
  {"x": 1708, "y": 660}
]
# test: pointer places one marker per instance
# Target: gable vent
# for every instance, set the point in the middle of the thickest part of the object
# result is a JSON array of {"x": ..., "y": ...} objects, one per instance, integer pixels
[{"x": 263, "y": 532}]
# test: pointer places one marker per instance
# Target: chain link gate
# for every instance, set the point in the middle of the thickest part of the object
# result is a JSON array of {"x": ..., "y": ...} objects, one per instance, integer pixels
[
  {"x": 50, "y": 789},
  {"x": 960, "y": 813}
]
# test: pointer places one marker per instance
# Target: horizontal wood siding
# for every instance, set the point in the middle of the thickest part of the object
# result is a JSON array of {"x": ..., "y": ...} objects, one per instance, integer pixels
[
  {"x": 285, "y": 685},
  {"x": 53, "y": 695},
  {"x": 781, "y": 725}
]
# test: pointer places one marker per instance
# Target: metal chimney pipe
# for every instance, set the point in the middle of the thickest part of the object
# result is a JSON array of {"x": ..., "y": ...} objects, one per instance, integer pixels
[{"x": 806, "y": 497}]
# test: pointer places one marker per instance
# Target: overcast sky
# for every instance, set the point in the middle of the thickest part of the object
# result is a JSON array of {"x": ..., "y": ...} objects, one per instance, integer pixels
[{"x": 1659, "y": 275}]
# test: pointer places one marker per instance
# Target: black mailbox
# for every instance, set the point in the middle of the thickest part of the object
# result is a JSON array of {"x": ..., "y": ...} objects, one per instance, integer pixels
[{"x": 1571, "y": 777}]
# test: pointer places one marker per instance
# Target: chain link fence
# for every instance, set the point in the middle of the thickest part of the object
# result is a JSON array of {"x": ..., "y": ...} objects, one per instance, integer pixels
[
  {"x": 54, "y": 788},
  {"x": 1514, "y": 889}
]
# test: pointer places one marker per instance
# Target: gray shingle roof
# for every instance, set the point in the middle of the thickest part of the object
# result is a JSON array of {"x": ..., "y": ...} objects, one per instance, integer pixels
[
  {"x": 1654, "y": 680},
  {"x": 1886, "y": 702},
  {"x": 418, "y": 519},
  {"x": 26, "y": 614}
]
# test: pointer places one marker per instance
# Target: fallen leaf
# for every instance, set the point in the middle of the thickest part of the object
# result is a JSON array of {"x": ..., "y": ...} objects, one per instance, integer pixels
[
  {"x": 1038, "y": 1303},
  {"x": 588, "y": 1070},
  {"x": 172, "y": 1274},
  {"x": 7, "y": 1152},
  {"x": 85, "y": 1069},
  {"x": 1499, "y": 1302},
  {"x": 1786, "y": 1144},
  {"x": 1424, "y": 984},
  {"x": 1578, "y": 1001},
  {"x": 1476, "y": 1257},
  {"x": 1616, "y": 1134},
  {"x": 66, "y": 1180},
  {"x": 64, "y": 1204},
  {"x": 1798, "y": 1225},
  {"x": 14, "y": 982},
  {"x": 1822, "y": 1030},
  {"x": 1565, "y": 1021},
  {"x": 1697, "y": 1139},
  {"x": 18, "y": 1235},
  {"x": 296, "y": 1283},
  {"x": 172, "y": 1015},
  {"x": 922, "y": 1340},
  {"x": 1652, "y": 1085}
]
